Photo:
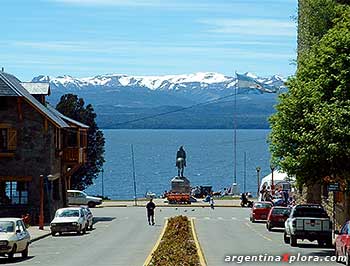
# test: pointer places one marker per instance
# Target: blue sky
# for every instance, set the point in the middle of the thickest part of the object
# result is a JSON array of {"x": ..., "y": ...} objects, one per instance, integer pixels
[{"x": 147, "y": 37}]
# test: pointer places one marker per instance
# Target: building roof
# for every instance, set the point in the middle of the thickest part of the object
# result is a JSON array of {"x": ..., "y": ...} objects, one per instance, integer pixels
[
  {"x": 37, "y": 88},
  {"x": 66, "y": 118},
  {"x": 11, "y": 86}
]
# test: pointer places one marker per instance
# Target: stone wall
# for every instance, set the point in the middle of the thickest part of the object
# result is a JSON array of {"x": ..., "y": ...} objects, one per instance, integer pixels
[{"x": 35, "y": 153}]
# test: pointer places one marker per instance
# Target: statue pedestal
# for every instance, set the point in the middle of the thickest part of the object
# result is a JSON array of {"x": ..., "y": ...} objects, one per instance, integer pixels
[{"x": 180, "y": 185}]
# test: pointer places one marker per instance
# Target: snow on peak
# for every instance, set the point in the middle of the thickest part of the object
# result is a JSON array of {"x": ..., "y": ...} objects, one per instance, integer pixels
[{"x": 164, "y": 82}]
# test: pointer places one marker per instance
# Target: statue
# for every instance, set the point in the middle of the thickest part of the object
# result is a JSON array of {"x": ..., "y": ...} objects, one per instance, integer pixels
[{"x": 181, "y": 161}]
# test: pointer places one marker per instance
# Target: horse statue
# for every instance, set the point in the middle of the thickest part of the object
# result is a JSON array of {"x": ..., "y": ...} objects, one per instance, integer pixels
[{"x": 180, "y": 164}]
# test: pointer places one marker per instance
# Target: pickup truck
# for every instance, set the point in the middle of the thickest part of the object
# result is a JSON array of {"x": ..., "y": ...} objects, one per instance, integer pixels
[{"x": 308, "y": 221}]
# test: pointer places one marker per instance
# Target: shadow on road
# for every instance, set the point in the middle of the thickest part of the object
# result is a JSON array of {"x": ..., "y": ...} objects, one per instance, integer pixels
[
  {"x": 103, "y": 219},
  {"x": 4, "y": 260},
  {"x": 323, "y": 253}
]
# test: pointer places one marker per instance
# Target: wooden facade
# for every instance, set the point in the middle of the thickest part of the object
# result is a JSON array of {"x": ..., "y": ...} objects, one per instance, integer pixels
[{"x": 35, "y": 141}]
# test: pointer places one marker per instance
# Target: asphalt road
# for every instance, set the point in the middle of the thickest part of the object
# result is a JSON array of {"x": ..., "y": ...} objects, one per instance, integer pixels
[{"x": 122, "y": 236}]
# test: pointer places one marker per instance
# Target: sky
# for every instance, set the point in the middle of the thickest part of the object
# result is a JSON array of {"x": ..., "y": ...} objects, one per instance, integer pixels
[{"x": 147, "y": 37}]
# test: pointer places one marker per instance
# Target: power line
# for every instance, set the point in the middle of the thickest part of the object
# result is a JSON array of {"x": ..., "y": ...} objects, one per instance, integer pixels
[{"x": 175, "y": 111}]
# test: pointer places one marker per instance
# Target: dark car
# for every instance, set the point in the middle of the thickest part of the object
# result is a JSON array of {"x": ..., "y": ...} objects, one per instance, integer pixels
[
  {"x": 260, "y": 210},
  {"x": 277, "y": 216}
]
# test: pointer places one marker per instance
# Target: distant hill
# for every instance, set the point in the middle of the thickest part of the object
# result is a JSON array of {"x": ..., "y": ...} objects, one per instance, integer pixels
[{"x": 121, "y": 98}]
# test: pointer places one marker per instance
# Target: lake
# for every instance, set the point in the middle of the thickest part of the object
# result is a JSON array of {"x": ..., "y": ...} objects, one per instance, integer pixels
[{"x": 210, "y": 160}]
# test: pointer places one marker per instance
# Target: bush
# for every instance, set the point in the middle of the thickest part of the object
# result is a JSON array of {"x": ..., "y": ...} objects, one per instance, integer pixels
[{"x": 177, "y": 247}]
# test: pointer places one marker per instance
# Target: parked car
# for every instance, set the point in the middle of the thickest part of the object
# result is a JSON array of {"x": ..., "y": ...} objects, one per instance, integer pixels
[
  {"x": 308, "y": 221},
  {"x": 77, "y": 197},
  {"x": 89, "y": 217},
  {"x": 277, "y": 217},
  {"x": 260, "y": 210},
  {"x": 14, "y": 237},
  {"x": 342, "y": 242},
  {"x": 71, "y": 219}
]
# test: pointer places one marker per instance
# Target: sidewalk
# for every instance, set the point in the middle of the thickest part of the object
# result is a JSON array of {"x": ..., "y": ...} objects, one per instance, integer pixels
[
  {"x": 164, "y": 203},
  {"x": 37, "y": 234}
]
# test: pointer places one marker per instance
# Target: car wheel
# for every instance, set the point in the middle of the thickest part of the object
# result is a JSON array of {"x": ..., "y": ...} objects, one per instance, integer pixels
[
  {"x": 53, "y": 233},
  {"x": 12, "y": 253},
  {"x": 91, "y": 204},
  {"x": 286, "y": 238},
  {"x": 91, "y": 226},
  {"x": 329, "y": 243},
  {"x": 84, "y": 230},
  {"x": 79, "y": 231},
  {"x": 25, "y": 252},
  {"x": 60, "y": 233},
  {"x": 347, "y": 258},
  {"x": 268, "y": 226},
  {"x": 293, "y": 241}
]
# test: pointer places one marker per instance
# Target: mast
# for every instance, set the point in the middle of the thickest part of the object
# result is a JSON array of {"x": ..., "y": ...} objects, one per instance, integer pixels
[{"x": 235, "y": 135}]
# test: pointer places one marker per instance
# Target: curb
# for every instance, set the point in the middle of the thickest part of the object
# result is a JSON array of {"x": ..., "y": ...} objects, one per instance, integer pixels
[
  {"x": 40, "y": 237},
  {"x": 149, "y": 257},
  {"x": 175, "y": 205},
  {"x": 202, "y": 260}
]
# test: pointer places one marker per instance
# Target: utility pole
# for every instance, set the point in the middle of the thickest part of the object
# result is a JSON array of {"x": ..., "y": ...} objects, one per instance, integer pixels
[
  {"x": 41, "y": 214},
  {"x": 258, "y": 169},
  {"x": 133, "y": 173},
  {"x": 103, "y": 187},
  {"x": 245, "y": 173}
]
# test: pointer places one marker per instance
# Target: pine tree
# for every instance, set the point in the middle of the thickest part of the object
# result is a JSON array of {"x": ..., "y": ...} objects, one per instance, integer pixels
[{"x": 72, "y": 106}]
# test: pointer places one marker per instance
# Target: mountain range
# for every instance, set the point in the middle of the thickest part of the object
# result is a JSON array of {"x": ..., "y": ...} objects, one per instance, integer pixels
[{"x": 206, "y": 100}]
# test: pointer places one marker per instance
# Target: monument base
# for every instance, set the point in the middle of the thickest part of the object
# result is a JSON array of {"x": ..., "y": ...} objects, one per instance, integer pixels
[{"x": 180, "y": 185}]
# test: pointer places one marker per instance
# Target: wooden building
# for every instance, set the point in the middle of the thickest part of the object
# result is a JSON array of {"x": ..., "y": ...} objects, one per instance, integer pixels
[{"x": 36, "y": 141}]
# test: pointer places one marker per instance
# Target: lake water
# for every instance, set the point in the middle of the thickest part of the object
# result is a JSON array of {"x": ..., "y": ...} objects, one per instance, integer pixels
[{"x": 210, "y": 160}]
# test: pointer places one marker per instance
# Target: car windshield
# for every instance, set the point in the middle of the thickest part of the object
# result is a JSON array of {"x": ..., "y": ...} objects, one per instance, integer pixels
[
  {"x": 262, "y": 205},
  {"x": 310, "y": 212},
  {"x": 6, "y": 227},
  {"x": 280, "y": 211},
  {"x": 68, "y": 213}
]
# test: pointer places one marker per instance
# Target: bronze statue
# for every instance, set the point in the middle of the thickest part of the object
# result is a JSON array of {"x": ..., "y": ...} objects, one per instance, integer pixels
[{"x": 180, "y": 161}]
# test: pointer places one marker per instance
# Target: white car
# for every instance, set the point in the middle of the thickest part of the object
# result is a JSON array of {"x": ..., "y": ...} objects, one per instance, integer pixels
[
  {"x": 89, "y": 217},
  {"x": 14, "y": 237},
  {"x": 77, "y": 197},
  {"x": 71, "y": 219}
]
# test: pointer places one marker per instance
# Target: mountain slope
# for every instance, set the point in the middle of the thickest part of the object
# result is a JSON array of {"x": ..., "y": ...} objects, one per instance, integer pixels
[{"x": 118, "y": 98}]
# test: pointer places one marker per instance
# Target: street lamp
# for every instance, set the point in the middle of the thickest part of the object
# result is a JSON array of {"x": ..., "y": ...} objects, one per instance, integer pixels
[
  {"x": 258, "y": 169},
  {"x": 272, "y": 167}
]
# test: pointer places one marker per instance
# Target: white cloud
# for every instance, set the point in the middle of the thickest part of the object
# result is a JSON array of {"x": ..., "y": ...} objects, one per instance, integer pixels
[{"x": 257, "y": 27}]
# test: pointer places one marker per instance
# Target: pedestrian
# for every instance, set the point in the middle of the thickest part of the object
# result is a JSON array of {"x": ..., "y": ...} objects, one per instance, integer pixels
[
  {"x": 212, "y": 203},
  {"x": 150, "y": 211}
]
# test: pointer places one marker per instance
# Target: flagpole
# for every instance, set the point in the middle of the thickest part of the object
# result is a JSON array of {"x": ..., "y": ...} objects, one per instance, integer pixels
[{"x": 235, "y": 133}]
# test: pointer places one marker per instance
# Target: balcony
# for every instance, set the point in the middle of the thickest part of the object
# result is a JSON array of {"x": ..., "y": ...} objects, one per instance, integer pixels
[{"x": 74, "y": 155}]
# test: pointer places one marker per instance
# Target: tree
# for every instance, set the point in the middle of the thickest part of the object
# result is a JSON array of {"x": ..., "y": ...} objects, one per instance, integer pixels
[
  {"x": 310, "y": 135},
  {"x": 72, "y": 106}
]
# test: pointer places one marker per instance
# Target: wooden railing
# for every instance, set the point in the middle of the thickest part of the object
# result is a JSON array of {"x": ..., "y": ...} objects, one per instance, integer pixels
[{"x": 74, "y": 155}]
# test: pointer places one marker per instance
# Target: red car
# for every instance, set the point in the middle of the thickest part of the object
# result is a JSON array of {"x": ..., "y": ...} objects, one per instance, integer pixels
[
  {"x": 342, "y": 242},
  {"x": 277, "y": 216},
  {"x": 260, "y": 210}
]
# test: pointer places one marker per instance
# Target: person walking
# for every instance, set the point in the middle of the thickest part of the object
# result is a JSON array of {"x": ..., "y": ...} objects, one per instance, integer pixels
[
  {"x": 212, "y": 202},
  {"x": 150, "y": 211}
]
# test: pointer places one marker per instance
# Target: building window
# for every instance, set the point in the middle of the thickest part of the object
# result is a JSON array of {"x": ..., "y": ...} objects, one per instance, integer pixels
[
  {"x": 8, "y": 139},
  {"x": 3, "y": 103},
  {"x": 13, "y": 193},
  {"x": 56, "y": 189}
]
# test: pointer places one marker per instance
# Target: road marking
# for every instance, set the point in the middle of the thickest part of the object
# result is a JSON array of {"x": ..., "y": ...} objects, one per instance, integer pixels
[
  {"x": 206, "y": 218},
  {"x": 220, "y": 218},
  {"x": 202, "y": 260},
  {"x": 260, "y": 234},
  {"x": 234, "y": 218}
]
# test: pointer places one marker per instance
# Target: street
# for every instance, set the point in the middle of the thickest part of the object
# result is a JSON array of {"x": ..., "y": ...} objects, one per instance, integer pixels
[{"x": 122, "y": 236}]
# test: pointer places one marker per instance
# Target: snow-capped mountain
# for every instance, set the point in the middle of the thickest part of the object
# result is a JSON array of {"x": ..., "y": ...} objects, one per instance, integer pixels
[
  {"x": 119, "y": 97},
  {"x": 201, "y": 80}
]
